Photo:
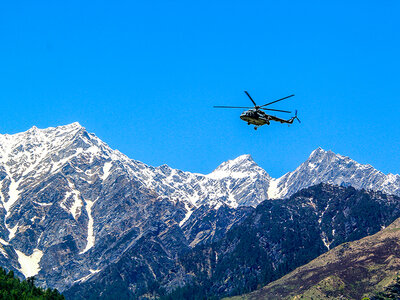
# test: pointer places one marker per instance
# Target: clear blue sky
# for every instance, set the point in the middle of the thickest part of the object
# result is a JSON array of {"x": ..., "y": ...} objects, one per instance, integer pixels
[{"x": 144, "y": 75}]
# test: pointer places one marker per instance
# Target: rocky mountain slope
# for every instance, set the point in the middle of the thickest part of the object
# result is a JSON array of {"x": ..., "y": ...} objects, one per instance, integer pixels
[
  {"x": 71, "y": 205},
  {"x": 273, "y": 239},
  {"x": 72, "y": 208},
  {"x": 350, "y": 271}
]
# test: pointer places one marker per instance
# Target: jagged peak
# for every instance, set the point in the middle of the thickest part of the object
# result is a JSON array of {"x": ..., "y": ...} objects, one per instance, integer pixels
[
  {"x": 35, "y": 130},
  {"x": 241, "y": 166},
  {"x": 241, "y": 160},
  {"x": 325, "y": 158},
  {"x": 51, "y": 139},
  {"x": 243, "y": 157},
  {"x": 70, "y": 127},
  {"x": 317, "y": 151},
  {"x": 320, "y": 154}
]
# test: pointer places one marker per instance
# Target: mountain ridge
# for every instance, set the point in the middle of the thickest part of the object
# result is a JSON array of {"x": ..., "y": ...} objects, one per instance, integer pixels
[
  {"x": 319, "y": 167},
  {"x": 71, "y": 205}
]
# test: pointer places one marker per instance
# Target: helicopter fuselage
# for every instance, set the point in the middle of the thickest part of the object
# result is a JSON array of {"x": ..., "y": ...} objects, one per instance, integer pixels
[{"x": 255, "y": 117}]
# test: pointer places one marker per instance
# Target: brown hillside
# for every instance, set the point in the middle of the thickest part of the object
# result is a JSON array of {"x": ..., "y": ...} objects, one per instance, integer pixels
[{"x": 349, "y": 271}]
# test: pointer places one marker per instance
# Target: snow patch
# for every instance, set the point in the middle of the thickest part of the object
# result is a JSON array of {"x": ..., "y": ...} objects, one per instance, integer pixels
[
  {"x": 13, "y": 194},
  {"x": 29, "y": 264},
  {"x": 74, "y": 209},
  {"x": 84, "y": 278},
  {"x": 187, "y": 216},
  {"x": 12, "y": 231},
  {"x": 94, "y": 271},
  {"x": 322, "y": 215},
  {"x": 42, "y": 203},
  {"x": 218, "y": 205},
  {"x": 3, "y": 252},
  {"x": 274, "y": 192},
  {"x": 312, "y": 166},
  {"x": 3, "y": 242},
  {"x": 90, "y": 234},
  {"x": 325, "y": 241},
  {"x": 106, "y": 170}
]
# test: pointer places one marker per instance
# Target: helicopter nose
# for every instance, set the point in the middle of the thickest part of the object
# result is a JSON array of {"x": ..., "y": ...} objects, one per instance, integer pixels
[{"x": 244, "y": 115}]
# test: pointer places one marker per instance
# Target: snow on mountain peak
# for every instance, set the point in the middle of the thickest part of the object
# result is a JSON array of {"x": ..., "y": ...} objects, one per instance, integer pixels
[
  {"x": 41, "y": 152},
  {"x": 240, "y": 181},
  {"x": 239, "y": 167},
  {"x": 319, "y": 154},
  {"x": 329, "y": 167},
  {"x": 62, "y": 128},
  {"x": 325, "y": 158}
]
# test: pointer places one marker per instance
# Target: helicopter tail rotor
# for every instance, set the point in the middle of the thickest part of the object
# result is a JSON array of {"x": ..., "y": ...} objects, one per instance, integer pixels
[{"x": 295, "y": 116}]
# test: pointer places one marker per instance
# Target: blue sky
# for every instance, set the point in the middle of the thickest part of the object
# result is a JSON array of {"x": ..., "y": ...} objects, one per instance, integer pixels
[{"x": 144, "y": 75}]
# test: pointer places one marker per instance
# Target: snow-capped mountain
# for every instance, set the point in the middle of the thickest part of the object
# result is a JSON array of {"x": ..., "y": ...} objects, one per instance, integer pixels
[
  {"x": 70, "y": 202},
  {"x": 327, "y": 167},
  {"x": 71, "y": 205},
  {"x": 57, "y": 192},
  {"x": 235, "y": 183}
]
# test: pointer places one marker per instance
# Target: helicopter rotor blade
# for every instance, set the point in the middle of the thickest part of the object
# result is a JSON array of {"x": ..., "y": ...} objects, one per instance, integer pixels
[
  {"x": 277, "y": 100},
  {"x": 219, "y": 106},
  {"x": 285, "y": 111},
  {"x": 248, "y": 95}
]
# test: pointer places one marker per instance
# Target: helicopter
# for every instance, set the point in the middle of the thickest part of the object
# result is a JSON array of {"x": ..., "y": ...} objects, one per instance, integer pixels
[{"x": 257, "y": 117}]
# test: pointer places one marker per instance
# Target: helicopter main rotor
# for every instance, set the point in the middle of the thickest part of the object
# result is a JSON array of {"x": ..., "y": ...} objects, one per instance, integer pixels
[{"x": 257, "y": 107}]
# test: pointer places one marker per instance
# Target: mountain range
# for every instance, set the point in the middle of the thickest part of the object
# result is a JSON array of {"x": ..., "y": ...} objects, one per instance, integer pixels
[{"x": 77, "y": 214}]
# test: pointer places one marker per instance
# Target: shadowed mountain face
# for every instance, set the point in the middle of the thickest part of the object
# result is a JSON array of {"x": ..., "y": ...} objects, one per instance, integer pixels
[
  {"x": 273, "y": 239},
  {"x": 350, "y": 271},
  {"x": 74, "y": 211}
]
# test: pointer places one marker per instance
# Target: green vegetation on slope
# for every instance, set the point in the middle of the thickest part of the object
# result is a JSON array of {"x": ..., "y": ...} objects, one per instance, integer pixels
[
  {"x": 12, "y": 288},
  {"x": 391, "y": 292},
  {"x": 350, "y": 271}
]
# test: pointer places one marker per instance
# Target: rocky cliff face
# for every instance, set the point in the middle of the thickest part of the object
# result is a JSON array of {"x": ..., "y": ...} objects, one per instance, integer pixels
[
  {"x": 73, "y": 209},
  {"x": 280, "y": 235}
]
